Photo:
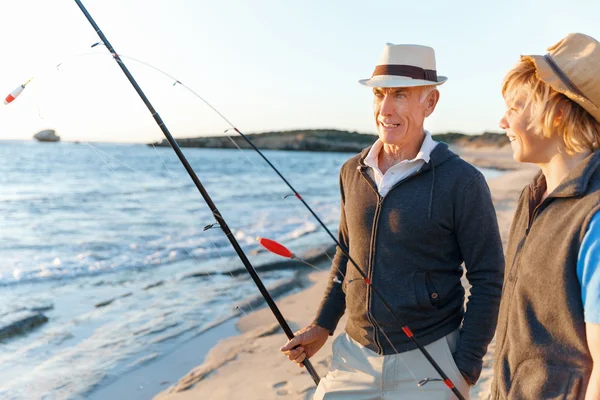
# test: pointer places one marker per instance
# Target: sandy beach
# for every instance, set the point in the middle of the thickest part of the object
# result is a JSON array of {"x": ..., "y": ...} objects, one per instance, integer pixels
[{"x": 250, "y": 366}]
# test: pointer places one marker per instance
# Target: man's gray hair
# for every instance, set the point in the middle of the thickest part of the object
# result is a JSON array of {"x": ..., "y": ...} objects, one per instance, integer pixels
[{"x": 425, "y": 91}]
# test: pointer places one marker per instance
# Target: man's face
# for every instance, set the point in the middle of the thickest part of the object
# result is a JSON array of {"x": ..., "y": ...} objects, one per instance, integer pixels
[{"x": 399, "y": 114}]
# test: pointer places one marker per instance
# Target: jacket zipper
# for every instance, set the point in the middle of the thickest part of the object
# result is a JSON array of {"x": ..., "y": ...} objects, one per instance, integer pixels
[
  {"x": 527, "y": 230},
  {"x": 370, "y": 273},
  {"x": 378, "y": 208}
]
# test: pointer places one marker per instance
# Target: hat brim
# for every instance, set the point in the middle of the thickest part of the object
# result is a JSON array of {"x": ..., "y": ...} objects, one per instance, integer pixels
[
  {"x": 546, "y": 74},
  {"x": 394, "y": 81}
]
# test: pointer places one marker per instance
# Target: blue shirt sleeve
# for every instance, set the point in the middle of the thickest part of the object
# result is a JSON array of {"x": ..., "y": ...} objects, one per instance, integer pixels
[{"x": 588, "y": 271}]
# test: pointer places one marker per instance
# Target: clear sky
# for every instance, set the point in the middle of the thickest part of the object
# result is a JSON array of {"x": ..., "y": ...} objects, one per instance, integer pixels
[{"x": 265, "y": 64}]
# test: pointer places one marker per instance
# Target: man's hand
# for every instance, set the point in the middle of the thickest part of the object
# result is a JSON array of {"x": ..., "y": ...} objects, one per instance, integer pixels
[{"x": 305, "y": 344}]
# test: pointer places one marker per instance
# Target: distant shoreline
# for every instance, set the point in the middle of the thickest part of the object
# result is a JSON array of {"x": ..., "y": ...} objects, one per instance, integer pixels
[
  {"x": 327, "y": 140},
  {"x": 331, "y": 140}
]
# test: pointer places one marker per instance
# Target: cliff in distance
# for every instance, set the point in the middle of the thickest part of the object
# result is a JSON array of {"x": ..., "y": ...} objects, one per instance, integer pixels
[{"x": 325, "y": 140}]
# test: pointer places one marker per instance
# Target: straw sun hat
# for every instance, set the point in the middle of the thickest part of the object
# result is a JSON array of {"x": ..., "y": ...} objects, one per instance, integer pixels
[
  {"x": 405, "y": 65},
  {"x": 572, "y": 67}
]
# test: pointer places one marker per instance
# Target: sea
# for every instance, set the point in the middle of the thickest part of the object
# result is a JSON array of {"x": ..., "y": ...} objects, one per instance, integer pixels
[{"x": 115, "y": 246}]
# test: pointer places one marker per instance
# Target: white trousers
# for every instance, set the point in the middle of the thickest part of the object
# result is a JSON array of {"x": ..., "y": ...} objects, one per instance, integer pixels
[{"x": 359, "y": 373}]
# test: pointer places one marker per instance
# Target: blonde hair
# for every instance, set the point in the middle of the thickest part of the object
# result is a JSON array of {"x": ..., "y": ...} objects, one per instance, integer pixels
[{"x": 552, "y": 110}]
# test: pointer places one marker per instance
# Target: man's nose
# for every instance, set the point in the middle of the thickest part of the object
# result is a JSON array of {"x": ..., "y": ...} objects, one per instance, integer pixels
[{"x": 387, "y": 105}]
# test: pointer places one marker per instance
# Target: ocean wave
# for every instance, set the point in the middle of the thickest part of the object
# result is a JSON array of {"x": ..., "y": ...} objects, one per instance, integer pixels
[{"x": 103, "y": 257}]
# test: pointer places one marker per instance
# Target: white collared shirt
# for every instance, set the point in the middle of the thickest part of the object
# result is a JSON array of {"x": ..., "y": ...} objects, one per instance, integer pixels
[{"x": 401, "y": 170}]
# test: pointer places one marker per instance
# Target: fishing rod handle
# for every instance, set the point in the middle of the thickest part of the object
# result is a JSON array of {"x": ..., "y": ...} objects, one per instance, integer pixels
[{"x": 311, "y": 370}]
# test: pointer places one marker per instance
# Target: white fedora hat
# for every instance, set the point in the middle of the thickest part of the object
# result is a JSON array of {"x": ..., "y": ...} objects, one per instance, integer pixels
[{"x": 405, "y": 65}]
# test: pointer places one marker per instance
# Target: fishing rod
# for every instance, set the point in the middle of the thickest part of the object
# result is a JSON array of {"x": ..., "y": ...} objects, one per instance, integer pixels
[
  {"x": 280, "y": 250},
  {"x": 407, "y": 331},
  {"x": 218, "y": 217}
]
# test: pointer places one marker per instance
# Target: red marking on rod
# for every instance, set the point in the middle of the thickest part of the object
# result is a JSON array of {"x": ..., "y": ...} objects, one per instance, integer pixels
[
  {"x": 275, "y": 247},
  {"x": 408, "y": 332},
  {"x": 298, "y": 196},
  {"x": 368, "y": 281},
  {"x": 236, "y": 129},
  {"x": 449, "y": 383}
]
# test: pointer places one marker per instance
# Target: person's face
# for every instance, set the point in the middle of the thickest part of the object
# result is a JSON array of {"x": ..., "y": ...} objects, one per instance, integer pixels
[
  {"x": 527, "y": 145},
  {"x": 399, "y": 113}
]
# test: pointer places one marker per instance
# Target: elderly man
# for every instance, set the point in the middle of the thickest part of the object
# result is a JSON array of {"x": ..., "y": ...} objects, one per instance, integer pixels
[{"x": 411, "y": 213}]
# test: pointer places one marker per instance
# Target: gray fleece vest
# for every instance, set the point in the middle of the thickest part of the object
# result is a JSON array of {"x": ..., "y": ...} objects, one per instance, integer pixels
[
  {"x": 411, "y": 244},
  {"x": 542, "y": 351}
]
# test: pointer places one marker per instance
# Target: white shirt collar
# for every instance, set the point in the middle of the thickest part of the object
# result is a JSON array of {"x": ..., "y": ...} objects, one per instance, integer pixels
[{"x": 424, "y": 153}]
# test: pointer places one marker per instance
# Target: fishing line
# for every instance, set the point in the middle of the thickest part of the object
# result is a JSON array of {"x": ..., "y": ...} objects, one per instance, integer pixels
[
  {"x": 228, "y": 233},
  {"x": 281, "y": 250},
  {"x": 207, "y": 273},
  {"x": 419, "y": 382},
  {"x": 405, "y": 328},
  {"x": 147, "y": 209}
]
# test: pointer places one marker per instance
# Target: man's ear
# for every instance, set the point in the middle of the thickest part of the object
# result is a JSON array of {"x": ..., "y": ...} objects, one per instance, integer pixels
[{"x": 431, "y": 102}]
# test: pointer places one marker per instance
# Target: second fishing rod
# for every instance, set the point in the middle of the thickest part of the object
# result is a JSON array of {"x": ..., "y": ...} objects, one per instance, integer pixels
[{"x": 447, "y": 381}]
